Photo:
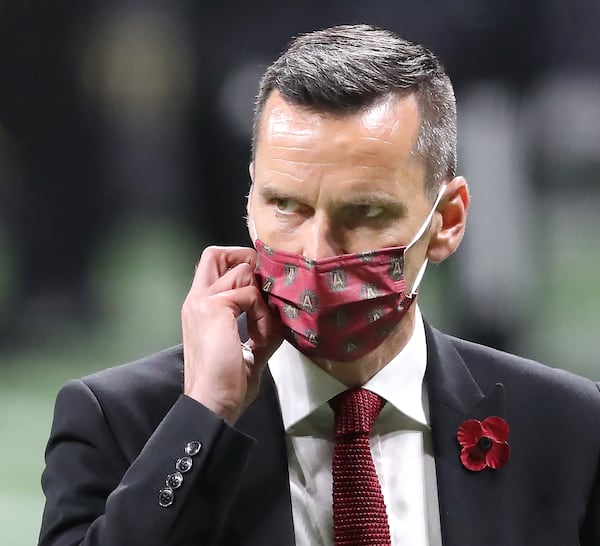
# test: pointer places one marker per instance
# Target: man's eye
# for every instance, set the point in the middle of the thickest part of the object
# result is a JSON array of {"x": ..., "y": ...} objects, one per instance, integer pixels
[
  {"x": 286, "y": 206},
  {"x": 367, "y": 211}
]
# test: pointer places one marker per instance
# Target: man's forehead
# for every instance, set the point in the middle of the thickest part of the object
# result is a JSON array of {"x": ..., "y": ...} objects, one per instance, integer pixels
[{"x": 392, "y": 120}]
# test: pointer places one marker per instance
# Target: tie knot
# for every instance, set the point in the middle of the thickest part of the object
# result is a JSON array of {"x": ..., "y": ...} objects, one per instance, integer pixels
[{"x": 355, "y": 412}]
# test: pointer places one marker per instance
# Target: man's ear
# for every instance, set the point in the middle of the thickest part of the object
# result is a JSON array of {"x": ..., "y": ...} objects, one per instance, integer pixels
[
  {"x": 251, "y": 171},
  {"x": 449, "y": 221}
]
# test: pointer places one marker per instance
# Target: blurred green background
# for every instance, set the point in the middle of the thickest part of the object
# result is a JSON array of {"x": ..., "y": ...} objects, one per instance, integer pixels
[{"x": 143, "y": 278}]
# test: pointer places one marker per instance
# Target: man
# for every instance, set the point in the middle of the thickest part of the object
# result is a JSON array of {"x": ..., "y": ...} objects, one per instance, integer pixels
[{"x": 353, "y": 191}]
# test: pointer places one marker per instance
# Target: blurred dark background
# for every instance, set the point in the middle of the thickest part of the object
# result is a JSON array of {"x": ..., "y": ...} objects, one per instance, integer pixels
[{"x": 124, "y": 144}]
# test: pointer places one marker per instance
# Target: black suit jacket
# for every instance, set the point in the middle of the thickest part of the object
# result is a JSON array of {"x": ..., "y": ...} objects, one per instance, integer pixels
[{"x": 117, "y": 434}]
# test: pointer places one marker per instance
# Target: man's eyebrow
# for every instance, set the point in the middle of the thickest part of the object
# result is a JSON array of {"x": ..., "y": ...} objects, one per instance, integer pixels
[
  {"x": 271, "y": 191},
  {"x": 378, "y": 199}
]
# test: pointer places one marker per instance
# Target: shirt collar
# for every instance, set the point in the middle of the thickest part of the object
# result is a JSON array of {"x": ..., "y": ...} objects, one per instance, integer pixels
[{"x": 303, "y": 387}]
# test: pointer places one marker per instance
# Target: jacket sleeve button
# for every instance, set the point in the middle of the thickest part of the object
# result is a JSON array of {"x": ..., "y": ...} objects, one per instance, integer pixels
[
  {"x": 166, "y": 497},
  {"x": 174, "y": 480},
  {"x": 184, "y": 464},
  {"x": 192, "y": 448}
]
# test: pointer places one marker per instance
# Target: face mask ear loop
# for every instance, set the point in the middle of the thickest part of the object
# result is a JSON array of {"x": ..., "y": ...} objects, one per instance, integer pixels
[
  {"x": 419, "y": 278},
  {"x": 252, "y": 227},
  {"x": 250, "y": 223},
  {"x": 429, "y": 217},
  {"x": 419, "y": 234}
]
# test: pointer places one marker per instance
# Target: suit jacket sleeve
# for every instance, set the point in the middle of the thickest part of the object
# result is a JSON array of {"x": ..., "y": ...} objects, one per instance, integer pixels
[
  {"x": 590, "y": 535},
  {"x": 97, "y": 493}
]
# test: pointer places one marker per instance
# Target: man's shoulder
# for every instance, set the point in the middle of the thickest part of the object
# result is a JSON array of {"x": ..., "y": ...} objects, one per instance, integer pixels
[
  {"x": 489, "y": 363},
  {"x": 157, "y": 367},
  {"x": 130, "y": 400},
  {"x": 154, "y": 381}
]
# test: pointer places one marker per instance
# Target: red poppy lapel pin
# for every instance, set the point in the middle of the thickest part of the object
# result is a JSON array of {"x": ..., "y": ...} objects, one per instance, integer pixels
[{"x": 484, "y": 443}]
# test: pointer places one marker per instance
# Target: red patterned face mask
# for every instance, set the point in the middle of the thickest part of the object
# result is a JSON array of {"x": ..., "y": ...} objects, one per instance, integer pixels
[{"x": 341, "y": 307}]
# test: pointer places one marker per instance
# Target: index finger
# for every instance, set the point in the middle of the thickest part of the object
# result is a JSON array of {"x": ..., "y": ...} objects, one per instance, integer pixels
[{"x": 217, "y": 260}]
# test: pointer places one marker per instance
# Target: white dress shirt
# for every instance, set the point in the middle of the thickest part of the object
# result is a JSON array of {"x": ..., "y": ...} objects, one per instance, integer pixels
[{"x": 400, "y": 444}]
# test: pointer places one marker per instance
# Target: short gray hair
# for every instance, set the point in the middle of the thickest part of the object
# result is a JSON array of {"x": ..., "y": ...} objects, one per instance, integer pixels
[{"x": 342, "y": 69}]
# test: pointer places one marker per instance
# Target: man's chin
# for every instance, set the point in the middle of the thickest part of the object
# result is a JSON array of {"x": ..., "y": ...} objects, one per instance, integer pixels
[{"x": 355, "y": 373}]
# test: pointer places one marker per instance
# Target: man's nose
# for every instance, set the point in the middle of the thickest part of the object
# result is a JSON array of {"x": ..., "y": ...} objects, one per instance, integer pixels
[{"x": 321, "y": 239}]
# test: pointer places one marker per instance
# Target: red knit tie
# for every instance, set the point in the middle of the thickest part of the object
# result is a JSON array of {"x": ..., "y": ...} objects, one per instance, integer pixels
[{"x": 359, "y": 516}]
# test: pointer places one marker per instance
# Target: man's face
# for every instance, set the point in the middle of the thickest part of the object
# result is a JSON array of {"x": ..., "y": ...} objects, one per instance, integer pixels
[{"x": 325, "y": 185}]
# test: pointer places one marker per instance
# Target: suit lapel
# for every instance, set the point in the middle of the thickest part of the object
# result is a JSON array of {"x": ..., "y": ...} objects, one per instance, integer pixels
[
  {"x": 471, "y": 503},
  {"x": 263, "y": 509}
]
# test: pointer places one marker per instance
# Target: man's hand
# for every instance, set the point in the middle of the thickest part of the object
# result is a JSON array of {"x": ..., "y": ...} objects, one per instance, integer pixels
[{"x": 216, "y": 373}]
